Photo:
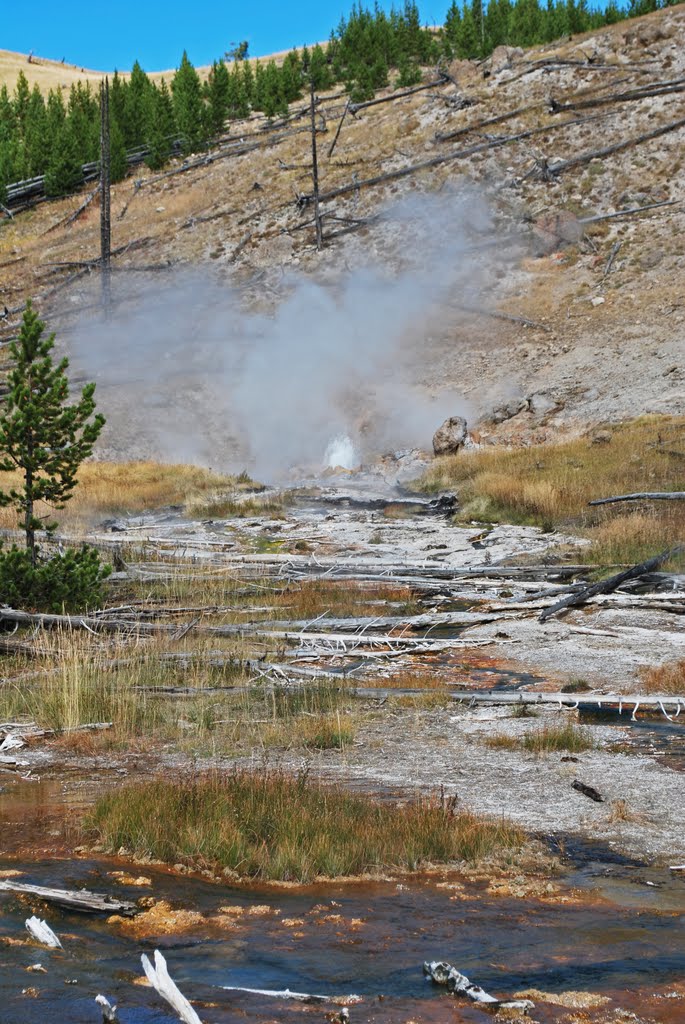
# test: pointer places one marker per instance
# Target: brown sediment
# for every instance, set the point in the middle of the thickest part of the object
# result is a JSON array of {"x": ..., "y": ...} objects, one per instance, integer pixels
[{"x": 161, "y": 918}]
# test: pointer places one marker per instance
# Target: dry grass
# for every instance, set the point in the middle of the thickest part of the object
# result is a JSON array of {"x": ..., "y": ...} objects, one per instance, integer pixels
[
  {"x": 411, "y": 679},
  {"x": 545, "y": 740},
  {"x": 550, "y": 486},
  {"x": 310, "y": 599},
  {"x": 668, "y": 678},
  {"x": 110, "y": 488},
  {"x": 278, "y": 827},
  {"x": 311, "y": 732}
]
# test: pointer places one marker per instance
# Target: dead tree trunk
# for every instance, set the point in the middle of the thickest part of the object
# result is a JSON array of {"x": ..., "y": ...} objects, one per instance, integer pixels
[
  {"x": 607, "y": 586},
  {"x": 618, "y": 147},
  {"x": 315, "y": 170},
  {"x": 642, "y": 496},
  {"x": 105, "y": 199}
]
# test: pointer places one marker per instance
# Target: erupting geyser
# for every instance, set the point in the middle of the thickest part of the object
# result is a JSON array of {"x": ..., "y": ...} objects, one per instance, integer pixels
[{"x": 341, "y": 454}]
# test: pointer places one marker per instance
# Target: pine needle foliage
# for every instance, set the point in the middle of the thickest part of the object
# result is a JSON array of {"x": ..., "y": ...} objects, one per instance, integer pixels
[{"x": 45, "y": 438}]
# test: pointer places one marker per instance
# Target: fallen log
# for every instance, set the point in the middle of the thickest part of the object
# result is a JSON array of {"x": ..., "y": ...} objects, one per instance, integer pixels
[
  {"x": 436, "y": 161},
  {"x": 642, "y": 496},
  {"x": 551, "y": 170},
  {"x": 588, "y": 791},
  {"x": 300, "y": 997},
  {"x": 607, "y": 586},
  {"x": 630, "y": 95},
  {"x": 354, "y": 108},
  {"x": 80, "y": 899},
  {"x": 66, "y": 221},
  {"x": 495, "y": 314},
  {"x": 630, "y": 212},
  {"x": 458, "y": 984}
]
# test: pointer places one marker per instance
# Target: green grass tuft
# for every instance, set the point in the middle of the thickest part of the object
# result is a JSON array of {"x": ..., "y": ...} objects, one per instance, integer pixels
[
  {"x": 279, "y": 827},
  {"x": 545, "y": 740}
]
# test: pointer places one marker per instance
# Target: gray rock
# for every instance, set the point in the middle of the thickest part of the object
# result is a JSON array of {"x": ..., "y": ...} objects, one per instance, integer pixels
[
  {"x": 509, "y": 410},
  {"x": 542, "y": 404},
  {"x": 451, "y": 436}
]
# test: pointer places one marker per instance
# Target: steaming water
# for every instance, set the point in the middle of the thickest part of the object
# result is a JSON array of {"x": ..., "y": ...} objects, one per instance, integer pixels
[
  {"x": 188, "y": 368},
  {"x": 341, "y": 453}
]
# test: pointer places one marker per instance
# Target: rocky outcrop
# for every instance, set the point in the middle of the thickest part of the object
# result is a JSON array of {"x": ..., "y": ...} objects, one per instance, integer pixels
[{"x": 451, "y": 436}]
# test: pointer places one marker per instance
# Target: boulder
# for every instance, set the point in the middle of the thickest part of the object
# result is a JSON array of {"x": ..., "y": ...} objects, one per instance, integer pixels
[{"x": 451, "y": 436}]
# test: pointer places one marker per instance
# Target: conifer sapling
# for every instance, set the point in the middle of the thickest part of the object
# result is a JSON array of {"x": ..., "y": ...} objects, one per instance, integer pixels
[{"x": 41, "y": 435}]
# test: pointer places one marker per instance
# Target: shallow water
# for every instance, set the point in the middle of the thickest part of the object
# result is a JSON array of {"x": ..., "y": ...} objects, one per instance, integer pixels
[{"x": 367, "y": 939}]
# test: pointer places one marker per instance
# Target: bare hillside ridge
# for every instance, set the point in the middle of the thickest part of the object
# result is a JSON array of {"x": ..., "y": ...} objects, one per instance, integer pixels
[{"x": 605, "y": 298}]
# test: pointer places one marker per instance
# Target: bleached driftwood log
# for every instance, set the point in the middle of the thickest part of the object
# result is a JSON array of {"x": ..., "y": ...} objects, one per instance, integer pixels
[
  {"x": 300, "y": 997},
  {"x": 80, "y": 899},
  {"x": 159, "y": 978},
  {"x": 42, "y": 932},
  {"x": 109, "y": 1012},
  {"x": 444, "y": 974}
]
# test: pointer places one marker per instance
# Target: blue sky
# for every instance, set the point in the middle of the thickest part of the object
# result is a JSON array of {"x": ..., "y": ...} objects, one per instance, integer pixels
[{"x": 156, "y": 33}]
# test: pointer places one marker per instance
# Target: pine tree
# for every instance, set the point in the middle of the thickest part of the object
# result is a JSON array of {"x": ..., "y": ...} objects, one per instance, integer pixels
[
  {"x": 161, "y": 127},
  {"x": 188, "y": 107},
  {"x": 217, "y": 97},
  {"x": 37, "y": 138},
  {"x": 133, "y": 118},
  {"x": 41, "y": 435},
  {"x": 64, "y": 172},
  {"x": 319, "y": 71},
  {"x": 118, "y": 163},
  {"x": 22, "y": 95}
]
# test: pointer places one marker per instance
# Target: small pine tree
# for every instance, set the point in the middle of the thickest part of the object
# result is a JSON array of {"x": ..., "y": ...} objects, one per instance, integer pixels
[{"x": 41, "y": 435}]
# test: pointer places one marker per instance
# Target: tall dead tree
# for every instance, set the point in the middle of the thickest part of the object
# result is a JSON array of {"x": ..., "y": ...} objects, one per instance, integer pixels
[
  {"x": 105, "y": 199},
  {"x": 315, "y": 170}
]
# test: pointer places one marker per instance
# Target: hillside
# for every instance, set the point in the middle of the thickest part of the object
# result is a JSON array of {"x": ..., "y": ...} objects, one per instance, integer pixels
[{"x": 605, "y": 298}]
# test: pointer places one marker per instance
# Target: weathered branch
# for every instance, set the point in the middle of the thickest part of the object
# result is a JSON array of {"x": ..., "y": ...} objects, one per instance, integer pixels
[
  {"x": 81, "y": 899},
  {"x": 607, "y": 586},
  {"x": 436, "y": 161},
  {"x": 355, "y": 107},
  {"x": 631, "y": 95},
  {"x": 617, "y": 147},
  {"x": 641, "y": 496}
]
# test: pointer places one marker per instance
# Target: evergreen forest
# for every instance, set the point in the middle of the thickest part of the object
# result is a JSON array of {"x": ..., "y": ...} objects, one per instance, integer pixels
[{"x": 57, "y": 135}]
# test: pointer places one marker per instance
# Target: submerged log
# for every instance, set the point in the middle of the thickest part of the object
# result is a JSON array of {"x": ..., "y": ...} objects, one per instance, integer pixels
[
  {"x": 109, "y": 1012},
  {"x": 43, "y": 933},
  {"x": 79, "y": 899},
  {"x": 300, "y": 997},
  {"x": 457, "y": 983}
]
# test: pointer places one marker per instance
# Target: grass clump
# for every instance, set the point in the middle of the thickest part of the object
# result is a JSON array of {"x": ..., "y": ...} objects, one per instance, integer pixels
[
  {"x": 110, "y": 488},
  {"x": 276, "y": 827},
  {"x": 668, "y": 678},
  {"x": 544, "y": 740},
  {"x": 550, "y": 486}
]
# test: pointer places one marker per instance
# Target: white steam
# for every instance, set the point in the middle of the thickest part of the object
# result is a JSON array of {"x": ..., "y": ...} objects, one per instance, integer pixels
[
  {"x": 186, "y": 373},
  {"x": 341, "y": 454}
]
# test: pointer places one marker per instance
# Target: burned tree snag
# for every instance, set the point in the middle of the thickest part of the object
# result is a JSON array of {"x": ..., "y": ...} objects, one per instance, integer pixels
[
  {"x": 315, "y": 170},
  {"x": 105, "y": 198}
]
